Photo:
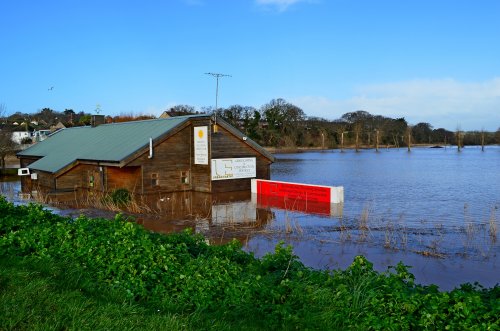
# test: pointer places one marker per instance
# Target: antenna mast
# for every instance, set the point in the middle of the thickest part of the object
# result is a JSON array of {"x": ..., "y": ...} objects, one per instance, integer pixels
[{"x": 217, "y": 76}]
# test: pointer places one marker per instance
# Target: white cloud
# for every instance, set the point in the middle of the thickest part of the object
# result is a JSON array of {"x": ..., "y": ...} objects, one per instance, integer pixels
[
  {"x": 443, "y": 103},
  {"x": 281, "y": 5}
]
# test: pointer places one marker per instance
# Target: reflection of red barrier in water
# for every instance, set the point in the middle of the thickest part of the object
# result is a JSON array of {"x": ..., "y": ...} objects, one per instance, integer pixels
[
  {"x": 297, "y": 197},
  {"x": 305, "y": 206}
]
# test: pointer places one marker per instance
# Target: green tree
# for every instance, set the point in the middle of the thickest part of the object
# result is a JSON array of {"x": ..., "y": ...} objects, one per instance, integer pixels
[
  {"x": 48, "y": 115},
  {"x": 422, "y": 133},
  {"x": 395, "y": 129},
  {"x": 181, "y": 110},
  {"x": 84, "y": 119},
  {"x": 442, "y": 136},
  {"x": 69, "y": 116},
  {"x": 359, "y": 124},
  {"x": 251, "y": 124},
  {"x": 233, "y": 115},
  {"x": 283, "y": 122}
]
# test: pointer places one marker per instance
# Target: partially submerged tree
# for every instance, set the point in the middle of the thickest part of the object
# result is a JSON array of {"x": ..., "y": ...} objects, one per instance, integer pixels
[
  {"x": 7, "y": 147},
  {"x": 459, "y": 138},
  {"x": 408, "y": 137}
]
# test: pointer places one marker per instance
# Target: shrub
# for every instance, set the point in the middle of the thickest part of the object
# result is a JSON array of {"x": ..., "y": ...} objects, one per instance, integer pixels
[{"x": 121, "y": 196}]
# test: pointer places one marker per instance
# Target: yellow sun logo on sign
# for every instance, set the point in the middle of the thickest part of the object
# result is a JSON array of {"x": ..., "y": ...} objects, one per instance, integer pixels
[{"x": 200, "y": 133}]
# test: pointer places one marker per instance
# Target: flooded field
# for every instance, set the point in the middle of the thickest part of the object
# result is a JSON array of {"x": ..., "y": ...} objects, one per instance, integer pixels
[{"x": 433, "y": 209}]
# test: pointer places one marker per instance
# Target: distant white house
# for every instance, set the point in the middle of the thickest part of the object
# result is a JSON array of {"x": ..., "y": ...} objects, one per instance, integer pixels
[{"x": 18, "y": 136}]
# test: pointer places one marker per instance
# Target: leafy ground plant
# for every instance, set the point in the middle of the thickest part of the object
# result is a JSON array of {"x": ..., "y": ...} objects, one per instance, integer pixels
[{"x": 178, "y": 277}]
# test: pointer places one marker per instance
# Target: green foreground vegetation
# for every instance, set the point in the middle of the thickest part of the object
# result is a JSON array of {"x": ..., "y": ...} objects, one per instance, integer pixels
[{"x": 91, "y": 274}]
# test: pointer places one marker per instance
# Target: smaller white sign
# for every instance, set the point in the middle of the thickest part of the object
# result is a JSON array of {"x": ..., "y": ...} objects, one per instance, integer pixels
[
  {"x": 234, "y": 168},
  {"x": 23, "y": 171},
  {"x": 200, "y": 145}
]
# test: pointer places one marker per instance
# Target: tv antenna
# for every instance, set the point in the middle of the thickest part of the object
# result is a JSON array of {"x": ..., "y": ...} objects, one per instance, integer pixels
[{"x": 217, "y": 76}]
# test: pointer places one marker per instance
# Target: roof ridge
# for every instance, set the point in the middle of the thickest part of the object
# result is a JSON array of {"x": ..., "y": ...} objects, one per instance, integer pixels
[{"x": 155, "y": 119}]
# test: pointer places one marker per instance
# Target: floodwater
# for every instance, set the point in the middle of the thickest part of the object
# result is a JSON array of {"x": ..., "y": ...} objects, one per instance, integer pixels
[{"x": 433, "y": 209}]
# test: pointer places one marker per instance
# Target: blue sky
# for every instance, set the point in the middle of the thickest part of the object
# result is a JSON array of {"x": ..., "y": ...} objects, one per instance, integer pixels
[{"x": 435, "y": 61}]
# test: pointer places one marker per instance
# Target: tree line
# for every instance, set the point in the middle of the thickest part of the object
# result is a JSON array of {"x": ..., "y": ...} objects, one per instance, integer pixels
[{"x": 282, "y": 124}]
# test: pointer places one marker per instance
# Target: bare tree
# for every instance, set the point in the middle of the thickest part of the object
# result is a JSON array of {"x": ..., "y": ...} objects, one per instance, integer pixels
[
  {"x": 357, "y": 128},
  {"x": 408, "y": 137},
  {"x": 459, "y": 138},
  {"x": 340, "y": 127},
  {"x": 377, "y": 141},
  {"x": 7, "y": 147}
]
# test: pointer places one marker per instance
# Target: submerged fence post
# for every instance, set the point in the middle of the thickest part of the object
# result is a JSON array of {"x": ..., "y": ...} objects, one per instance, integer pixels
[{"x": 409, "y": 138}]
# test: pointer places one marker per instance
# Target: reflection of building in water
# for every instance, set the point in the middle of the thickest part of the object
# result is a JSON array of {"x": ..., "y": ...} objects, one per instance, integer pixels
[
  {"x": 223, "y": 216},
  {"x": 298, "y": 205},
  {"x": 240, "y": 212},
  {"x": 217, "y": 216}
]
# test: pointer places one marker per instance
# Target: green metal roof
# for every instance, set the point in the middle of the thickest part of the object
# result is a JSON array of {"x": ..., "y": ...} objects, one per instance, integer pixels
[{"x": 107, "y": 142}]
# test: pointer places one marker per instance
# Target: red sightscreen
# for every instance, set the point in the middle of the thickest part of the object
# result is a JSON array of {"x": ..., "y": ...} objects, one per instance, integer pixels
[
  {"x": 294, "y": 197},
  {"x": 294, "y": 191}
]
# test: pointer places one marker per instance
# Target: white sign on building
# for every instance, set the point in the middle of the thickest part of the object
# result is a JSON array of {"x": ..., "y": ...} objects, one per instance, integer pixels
[
  {"x": 234, "y": 168},
  {"x": 201, "y": 145}
]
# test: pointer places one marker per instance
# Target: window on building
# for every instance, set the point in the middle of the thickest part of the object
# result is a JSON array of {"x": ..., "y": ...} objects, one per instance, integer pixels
[
  {"x": 185, "y": 177},
  {"x": 91, "y": 181},
  {"x": 154, "y": 180}
]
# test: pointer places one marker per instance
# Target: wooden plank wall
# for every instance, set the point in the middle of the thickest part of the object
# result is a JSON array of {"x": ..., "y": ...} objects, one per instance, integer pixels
[
  {"x": 76, "y": 177},
  {"x": 25, "y": 162},
  {"x": 170, "y": 158},
  {"x": 26, "y": 183},
  {"x": 226, "y": 145},
  {"x": 200, "y": 173},
  {"x": 127, "y": 177},
  {"x": 44, "y": 180}
]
